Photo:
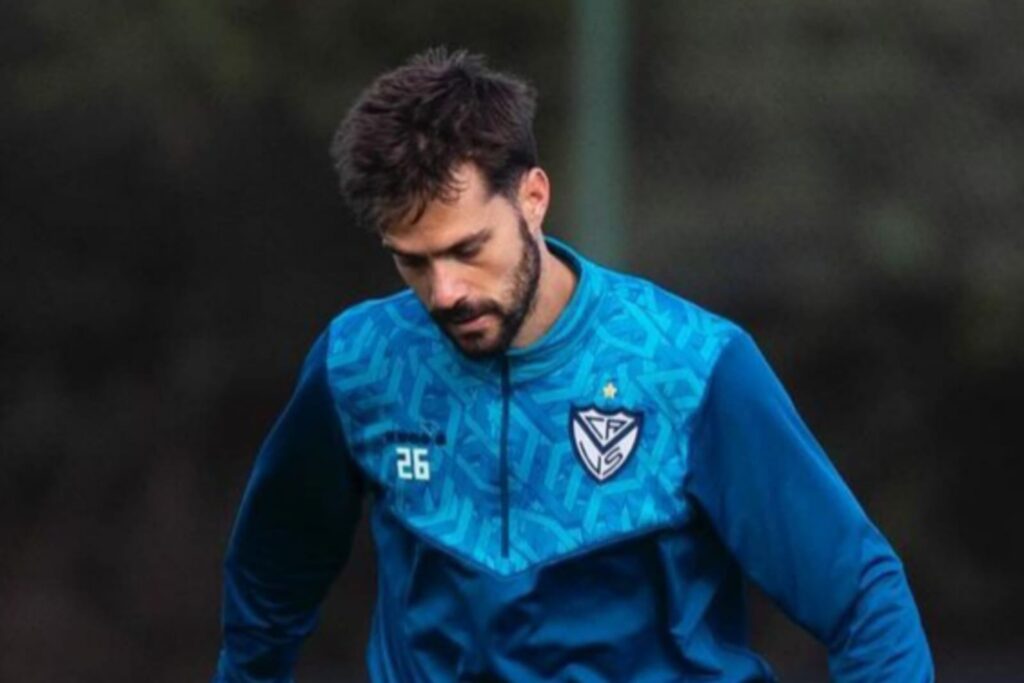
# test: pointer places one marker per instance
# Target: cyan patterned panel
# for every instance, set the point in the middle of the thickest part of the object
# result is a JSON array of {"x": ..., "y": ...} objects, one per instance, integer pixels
[{"x": 403, "y": 391}]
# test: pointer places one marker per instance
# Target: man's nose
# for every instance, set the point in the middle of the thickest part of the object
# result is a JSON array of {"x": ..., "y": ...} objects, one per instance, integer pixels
[{"x": 446, "y": 287}]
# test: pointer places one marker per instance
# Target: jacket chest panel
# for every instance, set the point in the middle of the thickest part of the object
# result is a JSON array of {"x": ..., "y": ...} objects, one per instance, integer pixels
[{"x": 590, "y": 457}]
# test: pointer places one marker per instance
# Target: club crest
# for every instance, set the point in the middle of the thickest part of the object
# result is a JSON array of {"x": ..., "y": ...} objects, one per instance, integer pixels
[{"x": 603, "y": 441}]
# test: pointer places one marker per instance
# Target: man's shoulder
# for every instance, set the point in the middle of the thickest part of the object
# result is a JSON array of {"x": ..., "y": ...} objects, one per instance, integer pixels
[
  {"x": 373, "y": 326},
  {"x": 679, "y": 322},
  {"x": 373, "y": 310}
]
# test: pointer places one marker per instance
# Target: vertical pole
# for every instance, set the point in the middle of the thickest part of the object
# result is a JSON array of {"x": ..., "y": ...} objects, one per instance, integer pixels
[{"x": 598, "y": 160}]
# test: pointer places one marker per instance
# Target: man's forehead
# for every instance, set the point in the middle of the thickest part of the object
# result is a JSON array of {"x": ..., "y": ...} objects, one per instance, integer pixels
[{"x": 444, "y": 223}]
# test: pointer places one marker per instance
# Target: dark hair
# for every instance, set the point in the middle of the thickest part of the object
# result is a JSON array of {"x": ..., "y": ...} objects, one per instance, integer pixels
[{"x": 399, "y": 145}]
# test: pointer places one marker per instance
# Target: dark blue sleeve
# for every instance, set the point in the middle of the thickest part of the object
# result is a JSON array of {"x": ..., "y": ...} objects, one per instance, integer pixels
[
  {"x": 291, "y": 536},
  {"x": 781, "y": 508}
]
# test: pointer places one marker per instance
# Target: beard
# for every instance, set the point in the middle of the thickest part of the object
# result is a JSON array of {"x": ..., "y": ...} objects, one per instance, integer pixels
[{"x": 519, "y": 302}]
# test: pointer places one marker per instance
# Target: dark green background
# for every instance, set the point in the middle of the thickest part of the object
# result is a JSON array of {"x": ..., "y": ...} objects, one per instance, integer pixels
[{"x": 842, "y": 178}]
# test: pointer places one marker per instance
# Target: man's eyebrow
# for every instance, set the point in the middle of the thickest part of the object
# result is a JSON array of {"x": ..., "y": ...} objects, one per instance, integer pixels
[
  {"x": 471, "y": 240},
  {"x": 398, "y": 252}
]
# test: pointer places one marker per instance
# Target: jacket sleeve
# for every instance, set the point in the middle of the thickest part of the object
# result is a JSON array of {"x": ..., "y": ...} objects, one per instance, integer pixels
[
  {"x": 782, "y": 509},
  {"x": 291, "y": 536}
]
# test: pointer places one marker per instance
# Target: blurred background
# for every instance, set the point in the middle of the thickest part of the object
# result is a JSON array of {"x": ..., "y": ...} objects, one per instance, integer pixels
[{"x": 845, "y": 179}]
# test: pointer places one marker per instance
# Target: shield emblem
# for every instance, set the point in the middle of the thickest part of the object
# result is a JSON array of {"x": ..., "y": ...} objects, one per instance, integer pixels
[{"x": 603, "y": 441}]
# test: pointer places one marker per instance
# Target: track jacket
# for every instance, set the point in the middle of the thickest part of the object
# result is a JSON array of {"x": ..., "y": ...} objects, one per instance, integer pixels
[{"x": 581, "y": 509}]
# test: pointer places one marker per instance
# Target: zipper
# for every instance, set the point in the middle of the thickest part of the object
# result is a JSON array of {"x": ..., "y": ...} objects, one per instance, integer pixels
[{"x": 506, "y": 392}]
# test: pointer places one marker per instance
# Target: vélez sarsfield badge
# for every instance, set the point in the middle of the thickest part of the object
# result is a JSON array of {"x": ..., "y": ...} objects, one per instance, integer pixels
[{"x": 603, "y": 440}]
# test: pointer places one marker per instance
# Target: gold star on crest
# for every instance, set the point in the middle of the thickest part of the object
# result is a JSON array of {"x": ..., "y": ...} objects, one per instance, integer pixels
[{"x": 610, "y": 390}]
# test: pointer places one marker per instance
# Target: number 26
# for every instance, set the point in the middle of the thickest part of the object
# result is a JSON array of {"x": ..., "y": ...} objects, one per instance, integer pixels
[{"x": 413, "y": 464}]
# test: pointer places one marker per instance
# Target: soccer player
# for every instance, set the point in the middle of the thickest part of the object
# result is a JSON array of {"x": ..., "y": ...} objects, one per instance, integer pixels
[{"x": 571, "y": 469}]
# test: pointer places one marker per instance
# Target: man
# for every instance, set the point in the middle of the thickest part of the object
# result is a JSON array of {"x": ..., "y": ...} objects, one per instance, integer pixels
[{"x": 571, "y": 469}]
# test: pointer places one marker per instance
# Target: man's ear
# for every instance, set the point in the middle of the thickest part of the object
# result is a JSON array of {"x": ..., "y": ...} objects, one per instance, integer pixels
[{"x": 534, "y": 197}]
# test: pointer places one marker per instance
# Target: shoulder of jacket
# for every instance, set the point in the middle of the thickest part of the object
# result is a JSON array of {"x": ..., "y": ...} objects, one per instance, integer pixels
[
  {"x": 368, "y": 325},
  {"x": 683, "y": 324}
]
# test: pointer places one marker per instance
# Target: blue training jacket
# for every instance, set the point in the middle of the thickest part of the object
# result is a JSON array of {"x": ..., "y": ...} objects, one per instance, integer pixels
[{"x": 581, "y": 509}]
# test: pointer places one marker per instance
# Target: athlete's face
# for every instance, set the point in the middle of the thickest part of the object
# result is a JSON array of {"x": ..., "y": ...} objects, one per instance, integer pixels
[{"x": 473, "y": 262}]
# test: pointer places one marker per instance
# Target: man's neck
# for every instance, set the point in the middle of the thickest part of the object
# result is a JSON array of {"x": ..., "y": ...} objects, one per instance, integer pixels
[{"x": 555, "y": 286}]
